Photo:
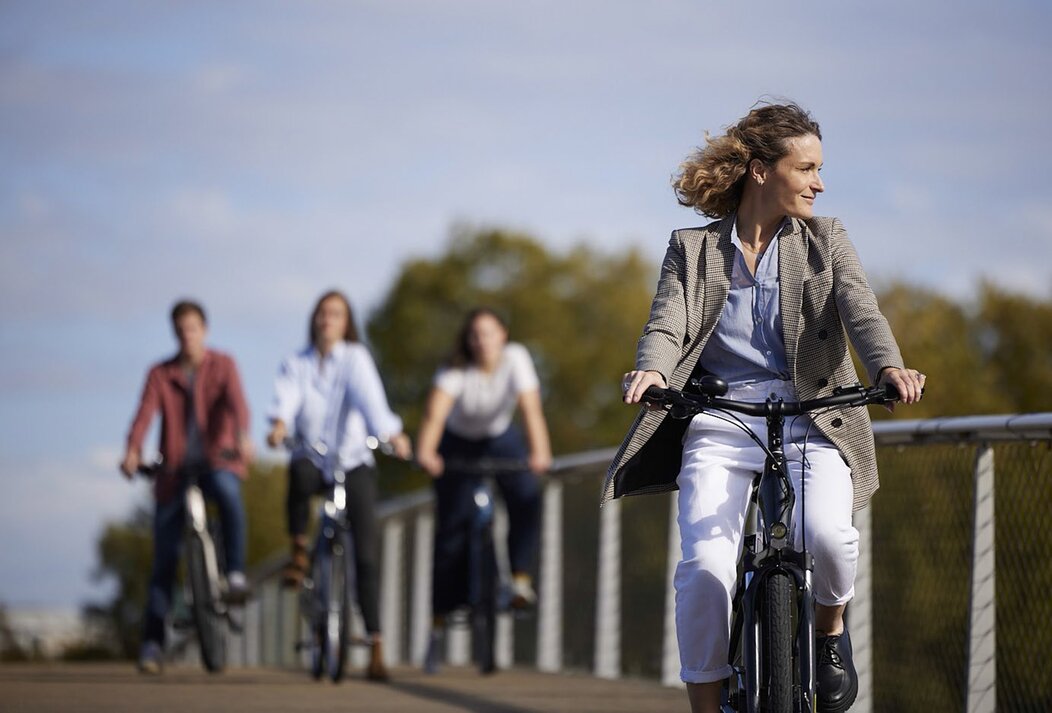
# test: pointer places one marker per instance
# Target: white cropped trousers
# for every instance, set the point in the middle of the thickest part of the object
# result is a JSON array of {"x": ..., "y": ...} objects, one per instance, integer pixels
[{"x": 719, "y": 464}]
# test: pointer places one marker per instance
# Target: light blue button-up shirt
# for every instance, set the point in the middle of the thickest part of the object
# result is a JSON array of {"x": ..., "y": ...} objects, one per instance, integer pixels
[
  {"x": 337, "y": 401},
  {"x": 747, "y": 345}
]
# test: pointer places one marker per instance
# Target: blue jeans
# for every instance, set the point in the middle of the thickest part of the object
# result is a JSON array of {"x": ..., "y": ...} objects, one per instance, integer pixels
[
  {"x": 455, "y": 507},
  {"x": 222, "y": 487}
]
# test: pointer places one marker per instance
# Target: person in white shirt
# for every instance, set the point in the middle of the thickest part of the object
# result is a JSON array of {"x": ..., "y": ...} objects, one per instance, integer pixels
[
  {"x": 330, "y": 394},
  {"x": 469, "y": 415}
]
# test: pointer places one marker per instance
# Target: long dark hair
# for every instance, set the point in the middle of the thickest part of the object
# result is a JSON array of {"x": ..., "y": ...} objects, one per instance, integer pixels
[
  {"x": 462, "y": 354},
  {"x": 349, "y": 335}
]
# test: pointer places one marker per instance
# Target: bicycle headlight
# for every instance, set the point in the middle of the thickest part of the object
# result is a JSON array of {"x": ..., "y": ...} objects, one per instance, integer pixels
[{"x": 778, "y": 530}]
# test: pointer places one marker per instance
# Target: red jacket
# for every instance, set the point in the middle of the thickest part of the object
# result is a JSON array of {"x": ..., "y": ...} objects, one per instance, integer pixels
[{"x": 220, "y": 410}]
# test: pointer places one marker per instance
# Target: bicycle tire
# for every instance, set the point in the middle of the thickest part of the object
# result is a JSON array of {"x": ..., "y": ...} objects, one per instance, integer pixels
[
  {"x": 313, "y": 602},
  {"x": 484, "y": 613},
  {"x": 207, "y": 622},
  {"x": 335, "y": 623},
  {"x": 776, "y": 643}
]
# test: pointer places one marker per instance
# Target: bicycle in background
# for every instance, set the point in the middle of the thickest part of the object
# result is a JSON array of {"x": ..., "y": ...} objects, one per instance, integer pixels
[
  {"x": 204, "y": 580},
  {"x": 772, "y": 645},
  {"x": 326, "y": 594},
  {"x": 488, "y": 578}
]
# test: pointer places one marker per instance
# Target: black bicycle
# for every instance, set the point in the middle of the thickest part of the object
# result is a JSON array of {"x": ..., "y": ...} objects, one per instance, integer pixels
[
  {"x": 204, "y": 581},
  {"x": 487, "y": 588},
  {"x": 326, "y": 593},
  {"x": 772, "y": 646}
]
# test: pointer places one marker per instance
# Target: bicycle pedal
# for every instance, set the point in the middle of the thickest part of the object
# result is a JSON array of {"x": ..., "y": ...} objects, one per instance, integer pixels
[{"x": 234, "y": 623}]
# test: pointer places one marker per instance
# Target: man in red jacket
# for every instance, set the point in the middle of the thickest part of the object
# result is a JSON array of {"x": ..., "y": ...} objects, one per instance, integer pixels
[{"x": 204, "y": 428}]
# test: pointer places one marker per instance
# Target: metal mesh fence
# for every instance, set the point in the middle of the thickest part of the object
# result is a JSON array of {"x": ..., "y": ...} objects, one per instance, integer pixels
[
  {"x": 1023, "y": 502},
  {"x": 922, "y": 557},
  {"x": 921, "y": 552}
]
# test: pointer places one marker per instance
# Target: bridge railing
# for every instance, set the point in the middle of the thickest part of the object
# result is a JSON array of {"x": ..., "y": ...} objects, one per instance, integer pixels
[{"x": 924, "y": 620}]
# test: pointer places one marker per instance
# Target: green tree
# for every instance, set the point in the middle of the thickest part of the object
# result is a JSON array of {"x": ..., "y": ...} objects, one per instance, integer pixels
[
  {"x": 1016, "y": 332},
  {"x": 942, "y": 339},
  {"x": 124, "y": 553},
  {"x": 580, "y": 313}
]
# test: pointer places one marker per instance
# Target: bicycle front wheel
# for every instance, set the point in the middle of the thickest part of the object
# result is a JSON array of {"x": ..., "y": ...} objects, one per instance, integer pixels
[
  {"x": 207, "y": 620},
  {"x": 332, "y": 622},
  {"x": 484, "y": 610},
  {"x": 776, "y": 644}
]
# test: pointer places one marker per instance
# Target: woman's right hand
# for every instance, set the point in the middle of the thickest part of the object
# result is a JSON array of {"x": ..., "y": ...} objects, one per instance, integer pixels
[
  {"x": 635, "y": 383},
  {"x": 277, "y": 434},
  {"x": 431, "y": 462}
]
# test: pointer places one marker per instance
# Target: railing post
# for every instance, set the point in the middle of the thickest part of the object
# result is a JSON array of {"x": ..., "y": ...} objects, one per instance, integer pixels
[
  {"x": 420, "y": 615},
  {"x": 550, "y": 597},
  {"x": 608, "y": 593},
  {"x": 982, "y": 649},
  {"x": 670, "y": 666},
  {"x": 860, "y": 614},
  {"x": 391, "y": 588},
  {"x": 504, "y": 643}
]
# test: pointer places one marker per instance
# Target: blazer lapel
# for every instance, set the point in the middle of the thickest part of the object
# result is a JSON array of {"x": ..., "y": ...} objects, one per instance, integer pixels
[
  {"x": 719, "y": 262},
  {"x": 792, "y": 260}
]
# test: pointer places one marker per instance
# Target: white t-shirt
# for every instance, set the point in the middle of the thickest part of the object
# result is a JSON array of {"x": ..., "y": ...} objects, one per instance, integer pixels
[{"x": 485, "y": 403}]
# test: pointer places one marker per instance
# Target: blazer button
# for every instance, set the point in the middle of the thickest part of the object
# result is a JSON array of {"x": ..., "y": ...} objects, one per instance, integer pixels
[
  {"x": 822, "y": 334},
  {"x": 836, "y": 423},
  {"x": 822, "y": 383}
]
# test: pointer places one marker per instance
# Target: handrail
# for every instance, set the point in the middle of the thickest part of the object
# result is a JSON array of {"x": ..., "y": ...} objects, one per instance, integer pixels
[{"x": 1011, "y": 427}]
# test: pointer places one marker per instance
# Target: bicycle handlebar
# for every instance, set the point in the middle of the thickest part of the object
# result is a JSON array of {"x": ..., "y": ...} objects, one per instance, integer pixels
[{"x": 857, "y": 395}]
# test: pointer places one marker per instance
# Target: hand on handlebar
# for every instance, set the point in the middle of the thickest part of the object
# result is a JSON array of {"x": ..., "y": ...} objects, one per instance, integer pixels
[
  {"x": 277, "y": 434},
  {"x": 635, "y": 383},
  {"x": 432, "y": 463},
  {"x": 403, "y": 447},
  {"x": 908, "y": 382},
  {"x": 540, "y": 463},
  {"x": 130, "y": 464}
]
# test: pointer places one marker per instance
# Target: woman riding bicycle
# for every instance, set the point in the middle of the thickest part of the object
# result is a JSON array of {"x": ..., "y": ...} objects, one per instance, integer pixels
[
  {"x": 468, "y": 416},
  {"x": 766, "y": 297},
  {"x": 330, "y": 394}
]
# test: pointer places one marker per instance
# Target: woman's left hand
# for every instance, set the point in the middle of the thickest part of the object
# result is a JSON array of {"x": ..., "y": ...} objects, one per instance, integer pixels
[{"x": 908, "y": 382}]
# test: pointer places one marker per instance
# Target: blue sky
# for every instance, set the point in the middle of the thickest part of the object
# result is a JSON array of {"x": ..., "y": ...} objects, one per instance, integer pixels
[{"x": 252, "y": 154}]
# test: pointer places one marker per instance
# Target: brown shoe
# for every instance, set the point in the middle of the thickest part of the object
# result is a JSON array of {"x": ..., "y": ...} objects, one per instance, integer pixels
[
  {"x": 296, "y": 568},
  {"x": 377, "y": 670}
]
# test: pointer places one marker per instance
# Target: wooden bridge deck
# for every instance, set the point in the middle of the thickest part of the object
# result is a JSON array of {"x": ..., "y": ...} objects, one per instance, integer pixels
[{"x": 118, "y": 688}]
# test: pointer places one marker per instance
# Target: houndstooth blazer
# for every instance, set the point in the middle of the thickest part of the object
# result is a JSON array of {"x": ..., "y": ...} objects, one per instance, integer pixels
[{"x": 821, "y": 282}]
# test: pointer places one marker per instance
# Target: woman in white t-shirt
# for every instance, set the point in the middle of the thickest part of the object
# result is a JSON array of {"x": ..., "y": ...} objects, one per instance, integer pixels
[{"x": 469, "y": 415}]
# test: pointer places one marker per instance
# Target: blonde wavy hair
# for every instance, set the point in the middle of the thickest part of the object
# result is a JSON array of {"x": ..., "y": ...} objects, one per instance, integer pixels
[{"x": 711, "y": 179}]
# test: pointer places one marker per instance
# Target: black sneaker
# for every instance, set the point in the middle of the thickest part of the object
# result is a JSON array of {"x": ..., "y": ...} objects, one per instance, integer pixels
[{"x": 837, "y": 679}]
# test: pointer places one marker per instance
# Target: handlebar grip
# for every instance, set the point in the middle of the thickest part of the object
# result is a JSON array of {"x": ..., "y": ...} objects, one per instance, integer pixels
[{"x": 654, "y": 394}]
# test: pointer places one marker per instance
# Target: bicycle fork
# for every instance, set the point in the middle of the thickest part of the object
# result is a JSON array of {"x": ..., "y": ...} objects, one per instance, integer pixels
[{"x": 198, "y": 520}]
